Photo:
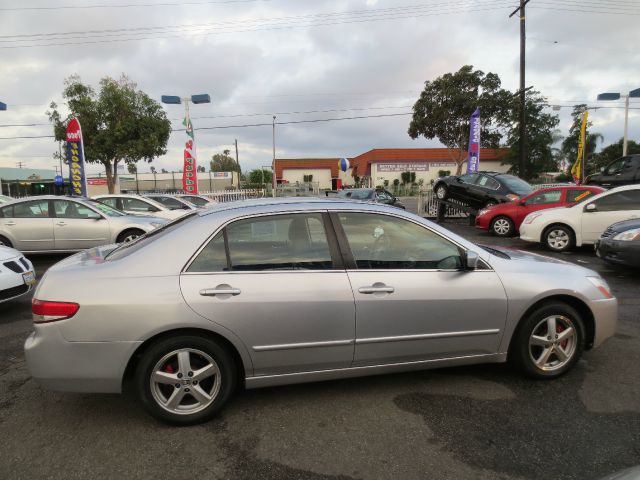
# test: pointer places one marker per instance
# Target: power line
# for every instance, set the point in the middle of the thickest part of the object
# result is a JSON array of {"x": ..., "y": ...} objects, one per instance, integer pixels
[{"x": 130, "y": 5}]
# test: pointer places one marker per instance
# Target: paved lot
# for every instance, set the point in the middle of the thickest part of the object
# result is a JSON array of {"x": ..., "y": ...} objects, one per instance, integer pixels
[{"x": 483, "y": 422}]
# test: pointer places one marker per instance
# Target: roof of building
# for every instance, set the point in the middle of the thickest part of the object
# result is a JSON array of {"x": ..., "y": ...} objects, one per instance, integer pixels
[
  {"x": 292, "y": 163},
  {"x": 26, "y": 174}
]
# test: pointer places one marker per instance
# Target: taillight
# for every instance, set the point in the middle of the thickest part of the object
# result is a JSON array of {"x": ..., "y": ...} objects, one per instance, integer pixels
[{"x": 45, "y": 311}]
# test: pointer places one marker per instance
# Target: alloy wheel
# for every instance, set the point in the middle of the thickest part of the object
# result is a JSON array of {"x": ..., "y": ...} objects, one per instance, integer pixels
[
  {"x": 185, "y": 381},
  {"x": 501, "y": 226},
  {"x": 553, "y": 343},
  {"x": 558, "y": 239},
  {"x": 131, "y": 237},
  {"x": 441, "y": 192}
]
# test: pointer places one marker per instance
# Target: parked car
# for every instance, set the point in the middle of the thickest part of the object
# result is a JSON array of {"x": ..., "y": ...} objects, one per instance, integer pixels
[
  {"x": 139, "y": 205},
  {"x": 269, "y": 292},
  {"x": 620, "y": 244},
  {"x": 482, "y": 189},
  {"x": 197, "y": 200},
  {"x": 561, "y": 229},
  {"x": 371, "y": 195},
  {"x": 622, "y": 171},
  {"x": 51, "y": 223},
  {"x": 5, "y": 199},
  {"x": 17, "y": 275},
  {"x": 504, "y": 219},
  {"x": 172, "y": 202}
]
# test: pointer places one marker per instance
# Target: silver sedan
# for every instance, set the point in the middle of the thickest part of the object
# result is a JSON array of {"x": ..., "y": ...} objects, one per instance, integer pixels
[
  {"x": 67, "y": 224},
  {"x": 272, "y": 292}
]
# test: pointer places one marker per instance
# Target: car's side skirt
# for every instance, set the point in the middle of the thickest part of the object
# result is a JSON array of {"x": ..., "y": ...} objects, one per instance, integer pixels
[{"x": 315, "y": 376}]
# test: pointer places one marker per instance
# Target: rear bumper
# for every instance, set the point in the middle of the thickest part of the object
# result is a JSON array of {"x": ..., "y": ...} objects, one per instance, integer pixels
[
  {"x": 76, "y": 366},
  {"x": 619, "y": 253},
  {"x": 605, "y": 313}
]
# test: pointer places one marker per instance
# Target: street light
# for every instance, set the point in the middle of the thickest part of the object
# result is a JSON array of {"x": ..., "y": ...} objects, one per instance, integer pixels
[{"x": 616, "y": 96}]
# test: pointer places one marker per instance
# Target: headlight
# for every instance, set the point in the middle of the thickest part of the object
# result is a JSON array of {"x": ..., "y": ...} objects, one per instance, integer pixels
[
  {"x": 156, "y": 224},
  {"x": 531, "y": 217},
  {"x": 633, "y": 234},
  {"x": 512, "y": 197},
  {"x": 601, "y": 285}
]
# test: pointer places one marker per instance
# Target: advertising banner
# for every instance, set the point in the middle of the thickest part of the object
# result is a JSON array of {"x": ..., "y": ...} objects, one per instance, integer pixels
[
  {"x": 473, "y": 156},
  {"x": 75, "y": 157},
  {"x": 402, "y": 167},
  {"x": 576, "y": 170},
  {"x": 189, "y": 172}
]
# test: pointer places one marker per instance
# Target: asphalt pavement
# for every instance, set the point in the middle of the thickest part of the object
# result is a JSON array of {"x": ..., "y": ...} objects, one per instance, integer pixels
[{"x": 481, "y": 422}]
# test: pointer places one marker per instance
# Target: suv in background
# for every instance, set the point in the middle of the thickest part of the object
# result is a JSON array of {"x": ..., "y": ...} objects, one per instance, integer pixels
[
  {"x": 623, "y": 171},
  {"x": 482, "y": 189}
]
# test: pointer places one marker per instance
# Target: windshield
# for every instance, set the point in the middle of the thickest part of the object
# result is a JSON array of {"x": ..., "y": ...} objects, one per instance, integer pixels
[
  {"x": 102, "y": 208},
  {"x": 516, "y": 184},
  {"x": 356, "y": 194},
  {"x": 197, "y": 201},
  {"x": 126, "y": 249}
]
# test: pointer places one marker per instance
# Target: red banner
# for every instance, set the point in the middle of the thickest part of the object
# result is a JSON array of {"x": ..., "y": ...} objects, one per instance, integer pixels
[{"x": 189, "y": 175}]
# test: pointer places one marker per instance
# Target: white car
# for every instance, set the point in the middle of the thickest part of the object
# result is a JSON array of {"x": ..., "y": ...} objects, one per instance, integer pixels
[
  {"x": 171, "y": 202},
  {"x": 137, "y": 204},
  {"x": 17, "y": 275},
  {"x": 562, "y": 228},
  {"x": 5, "y": 199}
]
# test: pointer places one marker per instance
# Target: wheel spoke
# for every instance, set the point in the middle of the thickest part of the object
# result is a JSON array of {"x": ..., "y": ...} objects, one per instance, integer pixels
[
  {"x": 560, "y": 353},
  {"x": 176, "y": 397},
  {"x": 184, "y": 362},
  {"x": 199, "y": 394},
  {"x": 164, "y": 377},
  {"x": 566, "y": 334},
  {"x": 539, "y": 341},
  {"x": 204, "y": 372},
  {"x": 544, "y": 357},
  {"x": 551, "y": 327}
]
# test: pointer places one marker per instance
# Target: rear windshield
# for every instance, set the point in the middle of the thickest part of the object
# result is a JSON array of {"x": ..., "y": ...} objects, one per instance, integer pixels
[
  {"x": 356, "y": 194},
  {"x": 516, "y": 184},
  {"x": 126, "y": 249}
]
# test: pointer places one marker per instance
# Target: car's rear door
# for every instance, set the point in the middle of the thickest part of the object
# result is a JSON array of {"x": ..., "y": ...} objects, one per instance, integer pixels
[
  {"x": 29, "y": 225},
  {"x": 77, "y": 227},
  {"x": 609, "y": 209},
  {"x": 460, "y": 186},
  {"x": 278, "y": 283},
  {"x": 413, "y": 301}
]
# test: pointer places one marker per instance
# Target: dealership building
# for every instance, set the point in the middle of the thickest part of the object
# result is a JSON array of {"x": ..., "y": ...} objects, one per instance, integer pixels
[{"x": 376, "y": 166}]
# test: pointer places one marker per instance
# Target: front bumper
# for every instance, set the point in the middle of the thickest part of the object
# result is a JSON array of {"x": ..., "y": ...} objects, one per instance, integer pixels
[
  {"x": 605, "y": 314},
  {"x": 619, "y": 253},
  {"x": 57, "y": 364}
]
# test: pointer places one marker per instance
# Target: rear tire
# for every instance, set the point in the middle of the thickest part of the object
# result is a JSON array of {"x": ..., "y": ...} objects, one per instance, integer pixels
[
  {"x": 5, "y": 242},
  {"x": 558, "y": 238},
  {"x": 540, "y": 348},
  {"x": 129, "y": 235},
  {"x": 502, "y": 226},
  {"x": 185, "y": 380}
]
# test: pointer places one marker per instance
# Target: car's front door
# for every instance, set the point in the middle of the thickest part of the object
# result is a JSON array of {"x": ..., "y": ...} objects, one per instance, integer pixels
[
  {"x": 539, "y": 201},
  {"x": 29, "y": 225},
  {"x": 413, "y": 299},
  {"x": 77, "y": 226},
  {"x": 279, "y": 286},
  {"x": 607, "y": 210}
]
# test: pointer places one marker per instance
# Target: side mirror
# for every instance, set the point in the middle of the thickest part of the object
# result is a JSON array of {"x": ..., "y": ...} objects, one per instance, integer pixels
[
  {"x": 590, "y": 208},
  {"x": 471, "y": 260}
]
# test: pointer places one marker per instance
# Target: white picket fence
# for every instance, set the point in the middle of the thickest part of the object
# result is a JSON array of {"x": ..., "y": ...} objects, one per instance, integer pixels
[{"x": 222, "y": 196}]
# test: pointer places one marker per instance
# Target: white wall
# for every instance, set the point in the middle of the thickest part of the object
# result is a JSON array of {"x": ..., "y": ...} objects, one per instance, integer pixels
[
  {"x": 379, "y": 177},
  {"x": 320, "y": 175}
]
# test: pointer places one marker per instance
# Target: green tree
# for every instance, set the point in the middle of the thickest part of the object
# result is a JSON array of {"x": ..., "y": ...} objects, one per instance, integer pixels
[
  {"x": 611, "y": 152},
  {"x": 260, "y": 176},
  {"x": 223, "y": 162},
  {"x": 153, "y": 169},
  {"x": 201, "y": 169},
  {"x": 445, "y": 106},
  {"x": 119, "y": 123},
  {"x": 164, "y": 170},
  {"x": 569, "y": 146},
  {"x": 132, "y": 168},
  {"x": 541, "y": 135}
]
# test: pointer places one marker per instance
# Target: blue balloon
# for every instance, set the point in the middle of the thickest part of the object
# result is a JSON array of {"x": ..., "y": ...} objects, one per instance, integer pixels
[
  {"x": 344, "y": 164},
  {"x": 58, "y": 180}
]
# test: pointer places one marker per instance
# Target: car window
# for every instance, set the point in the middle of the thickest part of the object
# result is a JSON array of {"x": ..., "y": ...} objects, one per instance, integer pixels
[
  {"x": 616, "y": 166},
  {"x": 577, "y": 195},
  {"x": 70, "y": 209},
  {"x": 488, "y": 182},
  {"x": 111, "y": 202},
  {"x": 625, "y": 200},
  {"x": 136, "y": 205},
  {"x": 197, "y": 201},
  {"x": 212, "y": 258},
  {"x": 34, "y": 209},
  {"x": 386, "y": 242},
  {"x": 170, "y": 203},
  {"x": 279, "y": 242},
  {"x": 356, "y": 194},
  {"x": 469, "y": 178},
  {"x": 107, "y": 210},
  {"x": 551, "y": 196},
  {"x": 516, "y": 184}
]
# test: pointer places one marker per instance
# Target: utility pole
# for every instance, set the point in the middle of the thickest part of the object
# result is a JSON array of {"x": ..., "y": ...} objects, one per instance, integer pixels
[
  {"x": 522, "y": 164},
  {"x": 237, "y": 161},
  {"x": 273, "y": 163}
]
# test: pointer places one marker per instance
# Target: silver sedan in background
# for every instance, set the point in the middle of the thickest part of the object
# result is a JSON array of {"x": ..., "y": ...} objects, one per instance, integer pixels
[
  {"x": 272, "y": 292},
  {"x": 67, "y": 224}
]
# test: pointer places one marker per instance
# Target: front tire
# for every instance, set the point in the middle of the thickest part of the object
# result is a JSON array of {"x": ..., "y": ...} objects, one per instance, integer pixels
[
  {"x": 558, "y": 238},
  {"x": 441, "y": 192},
  {"x": 129, "y": 235},
  {"x": 549, "y": 341},
  {"x": 502, "y": 226},
  {"x": 185, "y": 380}
]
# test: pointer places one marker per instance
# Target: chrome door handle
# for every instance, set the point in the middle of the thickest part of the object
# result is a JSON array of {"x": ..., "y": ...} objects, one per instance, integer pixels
[
  {"x": 10, "y": 224},
  {"x": 61, "y": 224},
  {"x": 212, "y": 292},
  {"x": 376, "y": 289}
]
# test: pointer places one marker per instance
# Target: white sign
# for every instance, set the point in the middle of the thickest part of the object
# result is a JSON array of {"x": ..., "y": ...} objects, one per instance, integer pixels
[{"x": 402, "y": 167}]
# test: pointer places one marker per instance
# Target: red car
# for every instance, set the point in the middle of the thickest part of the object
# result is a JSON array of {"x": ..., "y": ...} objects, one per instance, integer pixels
[{"x": 504, "y": 219}]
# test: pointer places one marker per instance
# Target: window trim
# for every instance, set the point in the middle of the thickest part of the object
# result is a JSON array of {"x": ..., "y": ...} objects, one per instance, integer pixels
[{"x": 337, "y": 260}]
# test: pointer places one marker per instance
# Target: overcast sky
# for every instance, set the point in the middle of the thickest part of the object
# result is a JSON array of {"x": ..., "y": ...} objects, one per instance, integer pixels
[{"x": 260, "y": 57}]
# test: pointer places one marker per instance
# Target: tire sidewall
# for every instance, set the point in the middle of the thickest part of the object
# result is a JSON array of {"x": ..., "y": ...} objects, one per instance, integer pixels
[
  {"x": 567, "y": 230},
  {"x": 511, "y": 226},
  {"x": 126, "y": 233},
  {"x": 4, "y": 241},
  {"x": 152, "y": 355},
  {"x": 519, "y": 351}
]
